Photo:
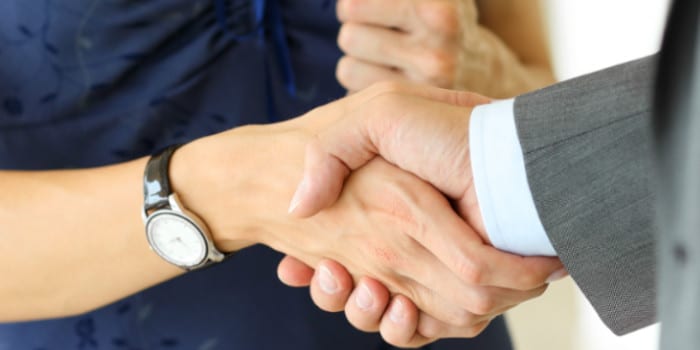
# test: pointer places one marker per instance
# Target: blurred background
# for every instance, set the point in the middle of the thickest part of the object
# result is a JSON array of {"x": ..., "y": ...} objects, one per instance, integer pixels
[{"x": 587, "y": 35}]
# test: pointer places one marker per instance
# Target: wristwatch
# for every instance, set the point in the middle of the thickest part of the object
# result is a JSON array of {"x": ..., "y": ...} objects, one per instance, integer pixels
[{"x": 173, "y": 232}]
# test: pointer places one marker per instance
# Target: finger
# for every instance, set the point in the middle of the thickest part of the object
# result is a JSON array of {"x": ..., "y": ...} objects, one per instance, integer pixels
[
  {"x": 462, "y": 305},
  {"x": 355, "y": 74},
  {"x": 321, "y": 183},
  {"x": 487, "y": 302},
  {"x": 392, "y": 14},
  {"x": 475, "y": 263},
  {"x": 428, "y": 278},
  {"x": 480, "y": 264},
  {"x": 366, "y": 305},
  {"x": 351, "y": 142},
  {"x": 432, "y": 328},
  {"x": 399, "y": 323},
  {"x": 331, "y": 286},
  {"x": 294, "y": 273},
  {"x": 377, "y": 45}
]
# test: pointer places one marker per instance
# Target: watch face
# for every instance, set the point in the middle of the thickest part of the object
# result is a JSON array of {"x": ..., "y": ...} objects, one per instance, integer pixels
[{"x": 176, "y": 239}]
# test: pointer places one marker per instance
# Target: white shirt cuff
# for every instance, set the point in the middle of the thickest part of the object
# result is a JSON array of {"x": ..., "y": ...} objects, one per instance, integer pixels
[{"x": 500, "y": 180}]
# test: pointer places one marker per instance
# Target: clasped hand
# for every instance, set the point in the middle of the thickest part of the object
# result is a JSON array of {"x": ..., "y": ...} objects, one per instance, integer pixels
[
  {"x": 438, "y": 276},
  {"x": 437, "y": 42}
]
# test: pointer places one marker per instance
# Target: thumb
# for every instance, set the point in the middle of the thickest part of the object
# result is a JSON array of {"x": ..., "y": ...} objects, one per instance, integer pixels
[
  {"x": 354, "y": 140},
  {"x": 321, "y": 183},
  {"x": 329, "y": 159}
]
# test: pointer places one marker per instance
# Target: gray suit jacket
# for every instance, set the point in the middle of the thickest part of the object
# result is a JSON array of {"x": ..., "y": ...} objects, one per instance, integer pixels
[{"x": 592, "y": 148}]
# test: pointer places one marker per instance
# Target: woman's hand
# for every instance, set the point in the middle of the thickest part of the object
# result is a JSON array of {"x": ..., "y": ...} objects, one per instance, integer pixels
[
  {"x": 368, "y": 305},
  {"x": 439, "y": 42}
]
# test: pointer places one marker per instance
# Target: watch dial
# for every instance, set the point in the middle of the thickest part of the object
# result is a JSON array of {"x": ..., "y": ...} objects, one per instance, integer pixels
[{"x": 177, "y": 239}]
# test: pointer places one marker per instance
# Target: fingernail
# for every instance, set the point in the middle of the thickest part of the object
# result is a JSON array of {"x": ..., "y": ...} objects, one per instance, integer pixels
[
  {"x": 397, "y": 314},
  {"x": 296, "y": 199},
  {"x": 364, "y": 299},
  {"x": 326, "y": 280},
  {"x": 557, "y": 275}
]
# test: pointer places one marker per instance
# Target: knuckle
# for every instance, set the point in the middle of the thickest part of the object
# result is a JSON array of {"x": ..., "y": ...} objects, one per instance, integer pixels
[
  {"x": 462, "y": 318},
  {"x": 431, "y": 330},
  {"x": 323, "y": 303},
  {"x": 408, "y": 288},
  {"x": 441, "y": 16},
  {"x": 343, "y": 71},
  {"x": 346, "y": 9},
  {"x": 397, "y": 204},
  {"x": 530, "y": 279},
  {"x": 346, "y": 37},
  {"x": 483, "y": 304},
  {"x": 470, "y": 271},
  {"x": 364, "y": 323},
  {"x": 439, "y": 67}
]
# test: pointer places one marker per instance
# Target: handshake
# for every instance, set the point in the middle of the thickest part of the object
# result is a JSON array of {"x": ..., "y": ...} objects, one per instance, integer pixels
[{"x": 403, "y": 249}]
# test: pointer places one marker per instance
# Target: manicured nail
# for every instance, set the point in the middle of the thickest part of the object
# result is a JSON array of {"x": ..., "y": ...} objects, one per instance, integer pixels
[
  {"x": 327, "y": 281},
  {"x": 296, "y": 199},
  {"x": 397, "y": 314},
  {"x": 557, "y": 275},
  {"x": 364, "y": 299}
]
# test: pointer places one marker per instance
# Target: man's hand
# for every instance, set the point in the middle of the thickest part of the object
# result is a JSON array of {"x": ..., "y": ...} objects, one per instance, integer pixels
[
  {"x": 430, "y": 139},
  {"x": 423, "y": 136}
]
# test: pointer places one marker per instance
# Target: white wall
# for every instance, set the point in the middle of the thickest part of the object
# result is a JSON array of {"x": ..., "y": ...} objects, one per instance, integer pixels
[{"x": 587, "y": 35}]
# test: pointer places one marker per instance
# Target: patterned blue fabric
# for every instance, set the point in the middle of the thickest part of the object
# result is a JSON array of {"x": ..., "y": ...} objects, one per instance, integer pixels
[{"x": 92, "y": 82}]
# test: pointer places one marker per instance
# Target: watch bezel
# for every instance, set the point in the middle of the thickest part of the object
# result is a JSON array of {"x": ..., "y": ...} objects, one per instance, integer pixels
[
  {"x": 202, "y": 234},
  {"x": 160, "y": 200}
]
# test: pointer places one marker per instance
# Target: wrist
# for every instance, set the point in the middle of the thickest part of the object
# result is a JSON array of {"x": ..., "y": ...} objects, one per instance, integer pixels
[
  {"x": 240, "y": 181},
  {"x": 501, "y": 72}
]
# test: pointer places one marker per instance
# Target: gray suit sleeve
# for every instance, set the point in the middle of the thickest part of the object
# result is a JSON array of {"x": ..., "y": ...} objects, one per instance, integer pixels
[{"x": 587, "y": 144}]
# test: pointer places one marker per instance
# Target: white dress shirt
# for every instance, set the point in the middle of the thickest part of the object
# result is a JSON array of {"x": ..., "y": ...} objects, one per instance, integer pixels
[{"x": 500, "y": 180}]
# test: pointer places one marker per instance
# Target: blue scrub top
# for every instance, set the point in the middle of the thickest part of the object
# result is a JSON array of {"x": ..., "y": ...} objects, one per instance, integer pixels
[{"x": 91, "y": 82}]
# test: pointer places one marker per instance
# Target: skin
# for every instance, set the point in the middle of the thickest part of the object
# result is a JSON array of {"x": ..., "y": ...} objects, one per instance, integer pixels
[
  {"x": 434, "y": 149},
  {"x": 52, "y": 285},
  {"x": 494, "y": 47},
  {"x": 89, "y": 248}
]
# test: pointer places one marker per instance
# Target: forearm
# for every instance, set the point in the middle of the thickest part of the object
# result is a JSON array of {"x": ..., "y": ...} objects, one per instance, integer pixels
[
  {"x": 73, "y": 240},
  {"x": 586, "y": 148}
]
